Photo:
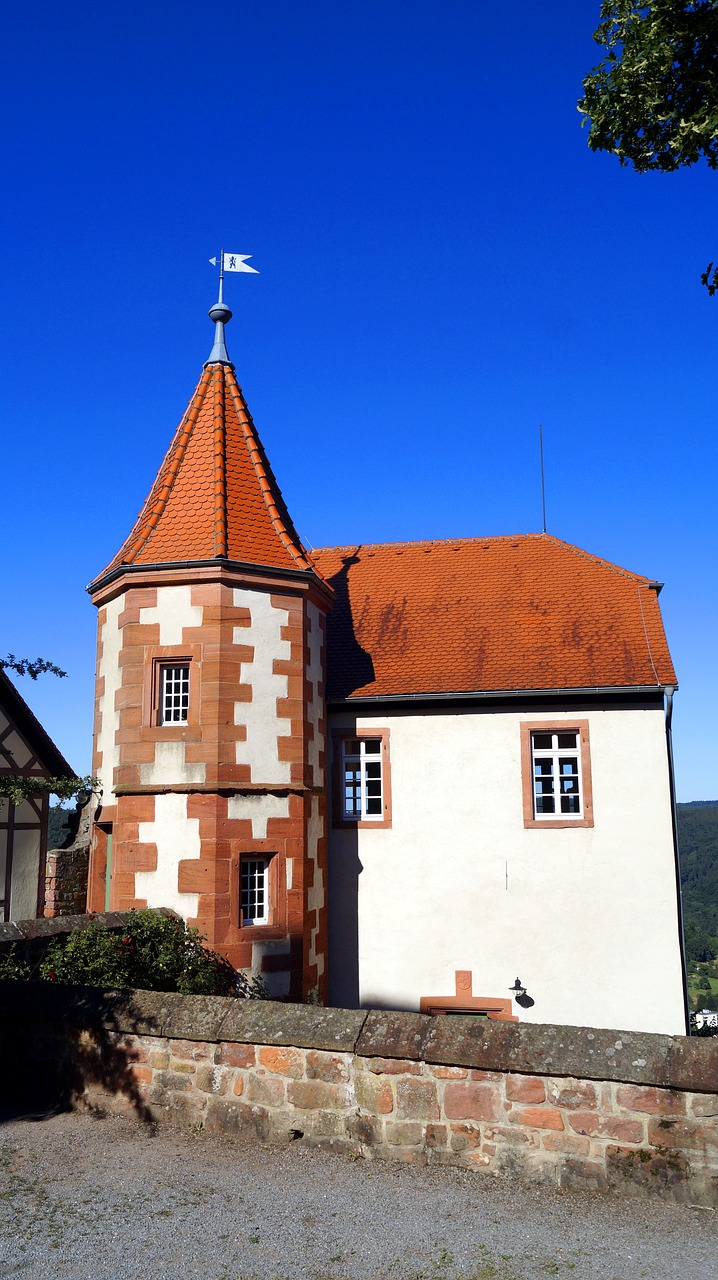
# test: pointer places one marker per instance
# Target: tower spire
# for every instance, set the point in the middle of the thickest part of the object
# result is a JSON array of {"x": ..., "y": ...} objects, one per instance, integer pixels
[{"x": 221, "y": 315}]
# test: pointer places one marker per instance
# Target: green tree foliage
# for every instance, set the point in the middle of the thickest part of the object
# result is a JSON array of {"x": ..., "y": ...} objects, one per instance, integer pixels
[
  {"x": 698, "y": 844},
  {"x": 653, "y": 99},
  {"x": 32, "y": 667},
  {"x": 155, "y": 953}
]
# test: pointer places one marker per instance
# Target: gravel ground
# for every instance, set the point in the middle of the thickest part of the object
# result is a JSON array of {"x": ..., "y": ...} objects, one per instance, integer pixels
[{"x": 89, "y": 1199}]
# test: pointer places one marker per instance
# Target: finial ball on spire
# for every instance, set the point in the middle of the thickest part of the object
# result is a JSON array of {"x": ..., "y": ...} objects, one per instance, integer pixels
[{"x": 220, "y": 311}]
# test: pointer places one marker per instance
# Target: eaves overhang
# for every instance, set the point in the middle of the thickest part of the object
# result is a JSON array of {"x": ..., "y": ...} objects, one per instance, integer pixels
[
  {"x": 500, "y": 695},
  {"x": 307, "y": 577}
]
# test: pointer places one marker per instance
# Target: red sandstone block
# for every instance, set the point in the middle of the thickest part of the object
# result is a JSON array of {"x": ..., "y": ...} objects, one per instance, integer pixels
[
  {"x": 392, "y": 1067},
  {"x": 594, "y": 1125},
  {"x": 311, "y": 1095},
  {"x": 374, "y": 1095},
  {"x": 566, "y": 1143},
  {"x": 189, "y": 1050},
  {"x": 199, "y": 875},
  {"x": 283, "y": 1062},
  {"x": 655, "y": 1102},
  {"x": 268, "y": 1091},
  {"x": 449, "y": 1073},
  {"x": 525, "y": 1089},
  {"x": 704, "y": 1104},
  {"x": 436, "y": 1136},
  {"x": 467, "y": 1100},
  {"x": 538, "y": 1118},
  {"x": 330, "y": 1067},
  {"x": 238, "y": 1086},
  {"x": 465, "y": 1137},
  {"x": 684, "y": 1134},
  {"x": 417, "y": 1100},
  {"x": 573, "y": 1095},
  {"x": 236, "y": 1055}
]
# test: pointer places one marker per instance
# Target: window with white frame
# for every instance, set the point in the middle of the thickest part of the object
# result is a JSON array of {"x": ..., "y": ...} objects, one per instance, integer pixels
[
  {"x": 556, "y": 769},
  {"x": 174, "y": 693},
  {"x": 254, "y": 891},
  {"x": 362, "y": 783}
]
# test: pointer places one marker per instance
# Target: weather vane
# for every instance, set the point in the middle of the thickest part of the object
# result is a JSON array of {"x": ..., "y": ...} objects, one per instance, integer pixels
[{"x": 233, "y": 262}]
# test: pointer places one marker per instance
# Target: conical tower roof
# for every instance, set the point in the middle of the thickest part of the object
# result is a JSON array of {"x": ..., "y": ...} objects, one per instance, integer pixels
[{"x": 215, "y": 497}]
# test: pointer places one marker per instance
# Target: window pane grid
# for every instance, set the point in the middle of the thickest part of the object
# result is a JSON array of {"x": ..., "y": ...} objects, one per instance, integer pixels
[
  {"x": 254, "y": 891},
  {"x": 362, "y": 782},
  {"x": 557, "y": 774},
  {"x": 174, "y": 695}
]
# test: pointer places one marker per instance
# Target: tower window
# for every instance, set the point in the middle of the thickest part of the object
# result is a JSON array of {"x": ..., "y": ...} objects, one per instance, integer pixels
[
  {"x": 254, "y": 891},
  {"x": 174, "y": 694}
]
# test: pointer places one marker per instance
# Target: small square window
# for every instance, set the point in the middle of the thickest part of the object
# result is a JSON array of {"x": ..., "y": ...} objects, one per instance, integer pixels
[
  {"x": 174, "y": 693},
  {"x": 254, "y": 891}
]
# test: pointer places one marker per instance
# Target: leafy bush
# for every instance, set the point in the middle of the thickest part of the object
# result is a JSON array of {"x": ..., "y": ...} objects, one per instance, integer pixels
[
  {"x": 156, "y": 953},
  {"x": 11, "y": 966}
]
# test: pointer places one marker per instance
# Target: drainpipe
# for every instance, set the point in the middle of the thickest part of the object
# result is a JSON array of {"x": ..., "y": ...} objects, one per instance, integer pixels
[{"x": 669, "y": 691}]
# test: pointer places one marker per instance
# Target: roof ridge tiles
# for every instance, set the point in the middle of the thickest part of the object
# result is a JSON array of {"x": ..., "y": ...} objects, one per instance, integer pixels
[{"x": 486, "y": 538}]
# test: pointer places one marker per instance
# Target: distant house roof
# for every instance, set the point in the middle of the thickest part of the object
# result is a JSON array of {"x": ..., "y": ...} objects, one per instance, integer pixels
[
  {"x": 488, "y": 614},
  {"x": 37, "y": 739},
  {"x": 215, "y": 495}
]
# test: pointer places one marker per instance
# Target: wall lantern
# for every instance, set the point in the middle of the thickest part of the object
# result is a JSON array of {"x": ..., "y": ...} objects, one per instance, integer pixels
[{"x": 519, "y": 994}]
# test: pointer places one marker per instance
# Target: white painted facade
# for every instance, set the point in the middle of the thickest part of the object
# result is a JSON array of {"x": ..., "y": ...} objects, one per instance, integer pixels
[
  {"x": 315, "y": 678},
  {"x": 110, "y": 639},
  {"x": 177, "y": 838},
  {"x": 585, "y": 916},
  {"x": 173, "y": 612},
  {"x": 259, "y": 750}
]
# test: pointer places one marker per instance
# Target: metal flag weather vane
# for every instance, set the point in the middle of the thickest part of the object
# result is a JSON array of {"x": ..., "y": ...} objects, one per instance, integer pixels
[{"x": 233, "y": 262}]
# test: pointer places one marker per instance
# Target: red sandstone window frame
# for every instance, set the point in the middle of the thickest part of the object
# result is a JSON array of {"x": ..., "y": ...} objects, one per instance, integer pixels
[
  {"x": 157, "y": 657},
  {"x": 339, "y": 818},
  {"x": 276, "y": 926},
  {"x": 552, "y": 823}
]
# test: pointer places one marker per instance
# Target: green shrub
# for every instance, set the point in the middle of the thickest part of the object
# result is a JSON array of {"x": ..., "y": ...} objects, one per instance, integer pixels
[
  {"x": 155, "y": 953},
  {"x": 11, "y": 966}
]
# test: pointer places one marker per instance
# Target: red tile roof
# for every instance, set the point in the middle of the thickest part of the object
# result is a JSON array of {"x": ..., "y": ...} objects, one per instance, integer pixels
[
  {"x": 215, "y": 494},
  {"x": 483, "y": 614}
]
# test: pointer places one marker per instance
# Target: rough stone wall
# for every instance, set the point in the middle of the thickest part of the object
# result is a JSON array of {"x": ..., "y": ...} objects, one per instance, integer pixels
[
  {"x": 572, "y": 1107},
  {"x": 66, "y": 880}
]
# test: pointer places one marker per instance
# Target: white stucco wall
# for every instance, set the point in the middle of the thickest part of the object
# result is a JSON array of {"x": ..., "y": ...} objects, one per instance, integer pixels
[
  {"x": 174, "y": 611},
  {"x": 177, "y": 838},
  {"x": 264, "y": 726},
  {"x": 585, "y": 917},
  {"x": 315, "y": 702},
  {"x": 258, "y": 809},
  {"x": 111, "y": 637}
]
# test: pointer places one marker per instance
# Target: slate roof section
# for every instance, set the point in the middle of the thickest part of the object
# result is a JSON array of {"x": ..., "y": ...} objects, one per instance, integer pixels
[
  {"x": 215, "y": 495},
  {"x": 487, "y": 614}
]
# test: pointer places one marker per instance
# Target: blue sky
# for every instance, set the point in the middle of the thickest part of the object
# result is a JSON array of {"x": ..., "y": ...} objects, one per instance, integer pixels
[{"x": 444, "y": 264}]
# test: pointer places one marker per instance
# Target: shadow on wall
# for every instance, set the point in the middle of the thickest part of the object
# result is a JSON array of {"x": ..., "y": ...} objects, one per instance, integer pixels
[
  {"x": 343, "y": 871},
  {"x": 52, "y": 1063},
  {"x": 349, "y": 667}
]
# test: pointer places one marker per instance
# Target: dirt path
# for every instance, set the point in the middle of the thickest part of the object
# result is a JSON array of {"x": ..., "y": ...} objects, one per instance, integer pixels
[{"x": 87, "y": 1199}]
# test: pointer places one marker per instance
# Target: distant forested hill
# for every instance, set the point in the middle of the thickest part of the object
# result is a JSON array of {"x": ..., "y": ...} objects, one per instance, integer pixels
[{"x": 698, "y": 843}]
